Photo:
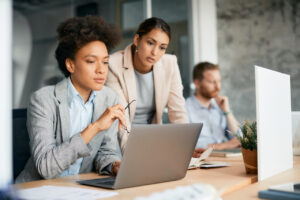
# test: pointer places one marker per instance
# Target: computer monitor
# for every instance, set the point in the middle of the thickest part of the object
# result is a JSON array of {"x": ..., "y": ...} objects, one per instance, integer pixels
[{"x": 273, "y": 113}]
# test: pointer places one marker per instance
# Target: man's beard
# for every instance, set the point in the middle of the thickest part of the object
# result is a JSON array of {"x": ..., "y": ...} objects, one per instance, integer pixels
[{"x": 208, "y": 95}]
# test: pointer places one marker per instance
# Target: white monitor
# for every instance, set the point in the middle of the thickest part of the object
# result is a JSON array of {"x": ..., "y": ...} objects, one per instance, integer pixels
[{"x": 273, "y": 115}]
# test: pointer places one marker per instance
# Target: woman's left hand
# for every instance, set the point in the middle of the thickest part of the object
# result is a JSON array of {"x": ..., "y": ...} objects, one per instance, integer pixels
[{"x": 115, "y": 168}]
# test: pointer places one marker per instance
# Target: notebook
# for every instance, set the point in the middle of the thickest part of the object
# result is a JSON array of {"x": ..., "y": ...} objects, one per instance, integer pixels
[
  {"x": 289, "y": 191},
  {"x": 227, "y": 153},
  {"x": 153, "y": 154},
  {"x": 200, "y": 162}
]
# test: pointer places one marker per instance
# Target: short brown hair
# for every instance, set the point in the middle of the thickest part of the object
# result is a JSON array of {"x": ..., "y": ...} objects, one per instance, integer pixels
[
  {"x": 200, "y": 68},
  {"x": 76, "y": 32}
]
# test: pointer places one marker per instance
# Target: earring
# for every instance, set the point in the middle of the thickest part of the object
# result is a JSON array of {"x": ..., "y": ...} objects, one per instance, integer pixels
[{"x": 136, "y": 50}]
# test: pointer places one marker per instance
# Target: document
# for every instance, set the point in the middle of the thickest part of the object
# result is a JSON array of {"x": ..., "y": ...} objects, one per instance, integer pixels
[
  {"x": 189, "y": 192},
  {"x": 48, "y": 192},
  {"x": 199, "y": 162}
]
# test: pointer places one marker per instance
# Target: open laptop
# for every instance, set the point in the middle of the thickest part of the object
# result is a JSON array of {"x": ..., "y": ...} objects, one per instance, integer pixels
[{"x": 153, "y": 154}]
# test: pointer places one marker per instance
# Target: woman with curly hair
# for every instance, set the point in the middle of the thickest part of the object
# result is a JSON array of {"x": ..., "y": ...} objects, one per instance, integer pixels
[
  {"x": 145, "y": 76},
  {"x": 73, "y": 125}
]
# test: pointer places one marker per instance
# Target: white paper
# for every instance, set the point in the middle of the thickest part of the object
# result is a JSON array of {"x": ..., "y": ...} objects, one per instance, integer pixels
[
  {"x": 48, "y": 192},
  {"x": 196, "y": 162},
  {"x": 189, "y": 192}
]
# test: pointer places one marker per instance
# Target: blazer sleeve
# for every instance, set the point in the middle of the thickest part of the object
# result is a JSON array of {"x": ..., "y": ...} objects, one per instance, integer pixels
[
  {"x": 50, "y": 158},
  {"x": 109, "y": 150},
  {"x": 176, "y": 103}
]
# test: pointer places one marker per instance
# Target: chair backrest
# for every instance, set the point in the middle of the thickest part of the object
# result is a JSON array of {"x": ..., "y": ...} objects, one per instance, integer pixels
[{"x": 21, "y": 149}]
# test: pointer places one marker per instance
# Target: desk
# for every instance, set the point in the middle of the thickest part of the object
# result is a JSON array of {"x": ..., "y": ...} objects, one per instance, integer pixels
[
  {"x": 226, "y": 180},
  {"x": 232, "y": 182},
  {"x": 251, "y": 192}
]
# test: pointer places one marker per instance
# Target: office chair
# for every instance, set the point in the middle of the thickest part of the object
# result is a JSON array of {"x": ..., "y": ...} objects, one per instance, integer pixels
[{"x": 21, "y": 149}]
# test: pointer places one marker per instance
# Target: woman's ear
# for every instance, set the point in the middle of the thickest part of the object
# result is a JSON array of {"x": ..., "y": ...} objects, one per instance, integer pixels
[
  {"x": 136, "y": 39},
  {"x": 70, "y": 65}
]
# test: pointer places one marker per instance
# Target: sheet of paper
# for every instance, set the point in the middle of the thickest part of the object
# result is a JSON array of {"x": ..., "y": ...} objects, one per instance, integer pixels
[
  {"x": 48, "y": 192},
  {"x": 189, "y": 192},
  {"x": 196, "y": 162}
]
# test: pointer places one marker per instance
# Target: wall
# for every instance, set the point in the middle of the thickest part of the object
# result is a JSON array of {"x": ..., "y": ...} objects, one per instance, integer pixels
[{"x": 257, "y": 32}]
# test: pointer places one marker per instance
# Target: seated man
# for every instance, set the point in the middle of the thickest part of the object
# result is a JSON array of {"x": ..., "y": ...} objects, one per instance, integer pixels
[{"x": 213, "y": 110}]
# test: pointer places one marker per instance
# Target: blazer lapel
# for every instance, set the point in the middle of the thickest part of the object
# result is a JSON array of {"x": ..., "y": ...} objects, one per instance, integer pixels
[
  {"x": 129, "y": 77},
  {"x": 61, "y": 92},
  {"x": 159, "y": 75}
]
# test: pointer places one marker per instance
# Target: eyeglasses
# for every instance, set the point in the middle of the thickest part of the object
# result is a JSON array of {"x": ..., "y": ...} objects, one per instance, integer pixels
[
  {"x": 129, "y": 103},
  {"x": 125, "y": 128}
]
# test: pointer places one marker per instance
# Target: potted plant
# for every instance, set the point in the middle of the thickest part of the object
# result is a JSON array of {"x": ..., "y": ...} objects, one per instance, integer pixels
[{"x": 248, "y": 141}]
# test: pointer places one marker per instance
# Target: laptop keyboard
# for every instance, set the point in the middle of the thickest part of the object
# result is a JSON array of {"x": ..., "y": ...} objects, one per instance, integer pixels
[{"x": 106, "y": 181}]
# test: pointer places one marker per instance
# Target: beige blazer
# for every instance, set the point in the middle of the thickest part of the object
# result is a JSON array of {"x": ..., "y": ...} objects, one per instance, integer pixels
[{"x": 167, "y": 84}]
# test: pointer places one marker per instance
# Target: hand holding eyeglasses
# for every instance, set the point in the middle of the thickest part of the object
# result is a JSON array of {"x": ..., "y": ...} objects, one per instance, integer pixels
[{"x": 110, "y": 115}]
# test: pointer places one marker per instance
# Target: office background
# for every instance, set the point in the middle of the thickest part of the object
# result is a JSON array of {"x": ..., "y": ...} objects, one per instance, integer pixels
[{"x": 236, "y": 34}]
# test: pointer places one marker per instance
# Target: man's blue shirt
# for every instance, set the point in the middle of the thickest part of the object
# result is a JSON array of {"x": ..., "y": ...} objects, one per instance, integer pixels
[{"x": 215, "y": 129}]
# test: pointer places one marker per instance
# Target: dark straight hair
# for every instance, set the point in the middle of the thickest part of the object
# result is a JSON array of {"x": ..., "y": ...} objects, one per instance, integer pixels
[{"x": 152, "y": 23}]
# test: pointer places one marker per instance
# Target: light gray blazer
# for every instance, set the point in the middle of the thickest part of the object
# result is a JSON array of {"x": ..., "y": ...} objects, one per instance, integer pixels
[{"x": 52, "y": 149}]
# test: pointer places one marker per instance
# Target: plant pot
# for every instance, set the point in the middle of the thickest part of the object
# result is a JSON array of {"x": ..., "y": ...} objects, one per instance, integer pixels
[{"x": 250, "y": 160}]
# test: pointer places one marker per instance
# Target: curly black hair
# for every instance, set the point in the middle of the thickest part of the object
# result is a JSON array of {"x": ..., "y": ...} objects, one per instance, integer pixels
[{"x": 76, "y": 32}]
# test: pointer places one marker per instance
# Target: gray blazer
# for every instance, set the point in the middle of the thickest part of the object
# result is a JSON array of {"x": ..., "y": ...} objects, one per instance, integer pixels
[{"x": 52, "y": 149}]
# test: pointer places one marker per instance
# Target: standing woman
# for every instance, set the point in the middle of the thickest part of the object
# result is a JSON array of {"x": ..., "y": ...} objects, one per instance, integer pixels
[
  {"x": 73, "y": 125},
  {"x": 147, "y": 78}
]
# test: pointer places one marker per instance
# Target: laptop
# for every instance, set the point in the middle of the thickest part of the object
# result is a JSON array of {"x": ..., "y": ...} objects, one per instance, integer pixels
[{"x": 153, "y": 154}]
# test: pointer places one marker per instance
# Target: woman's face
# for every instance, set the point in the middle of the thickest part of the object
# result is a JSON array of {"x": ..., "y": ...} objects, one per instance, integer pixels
[
  {"x": 89, "y": 68},
  {"x": 150, "y": 48}
]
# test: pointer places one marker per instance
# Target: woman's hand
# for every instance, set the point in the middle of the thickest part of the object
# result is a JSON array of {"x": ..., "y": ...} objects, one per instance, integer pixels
[
  {"x": 104, "y": 122},
  {"x": 110, "y": 115},
  {"x": 115, "y": 168}
]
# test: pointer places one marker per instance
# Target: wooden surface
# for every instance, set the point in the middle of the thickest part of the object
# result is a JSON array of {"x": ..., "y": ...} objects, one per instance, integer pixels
[
  {"x": 251, "y": 192},
  {"x": 226, "y": 180},
  {"x": 232, "y": 182}
]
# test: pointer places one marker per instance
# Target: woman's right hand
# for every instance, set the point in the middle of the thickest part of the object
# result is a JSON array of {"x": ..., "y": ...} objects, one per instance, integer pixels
[
  {"x": 104, "y": 122},
  {"x": 110, "y": 115}
]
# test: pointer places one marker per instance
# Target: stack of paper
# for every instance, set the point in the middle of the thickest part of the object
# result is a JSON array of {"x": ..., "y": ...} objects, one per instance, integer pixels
[{"x": 48, "y": 192}]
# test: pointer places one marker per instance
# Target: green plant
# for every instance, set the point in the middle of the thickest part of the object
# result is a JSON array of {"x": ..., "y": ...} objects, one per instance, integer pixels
[{"x": 249, "y": 135}]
